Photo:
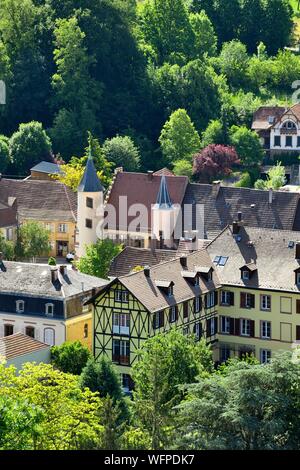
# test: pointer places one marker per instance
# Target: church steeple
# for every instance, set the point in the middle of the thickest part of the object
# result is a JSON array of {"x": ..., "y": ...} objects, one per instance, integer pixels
[
  {"x": 163, "y": 198},
  {"x": 90, "y": 182}
]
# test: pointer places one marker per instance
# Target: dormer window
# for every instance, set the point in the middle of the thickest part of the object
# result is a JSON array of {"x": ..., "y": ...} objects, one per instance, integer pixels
[
  {"x": 245, "y": 275},
  {"x": 166, "y": 287},
  {"x": 197, "y": 281},
  {"x": 20, "y": 306},
  {"x": 298, "y": 278},
  {"x": 247, "y": 271},
  {"x": 49, "y": 310},
  {"x": 170, "y": 291}
]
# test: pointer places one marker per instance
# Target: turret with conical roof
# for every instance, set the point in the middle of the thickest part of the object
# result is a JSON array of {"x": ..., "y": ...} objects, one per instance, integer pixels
[
  {"x": 89, "y": 208},
  {"x": 164, "y": 216}
]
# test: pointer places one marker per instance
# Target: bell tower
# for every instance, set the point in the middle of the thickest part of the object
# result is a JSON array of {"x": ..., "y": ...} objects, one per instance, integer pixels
[{"x": 89, "y": 207}]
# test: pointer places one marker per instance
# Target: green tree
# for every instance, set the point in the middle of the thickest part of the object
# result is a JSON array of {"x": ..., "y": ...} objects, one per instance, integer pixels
[
  {"x": 248, "y": 406},
  {"x": 98, "y": 258},
  {"x": 205, "y": 37},
  {"x": 77, "y": 93},
  {"x": 70, "y": 357},
  {"x": 277, "y": 22},
  {"x": 122, "y": 152},
  {"x": 7, "y": 248},
  {"x": 233, "y": 61},
  {"x": 33, "y": 240},
  {"x": 165, "y": 26},
  {"x": 183, "y": 168},
  {"x": 4, "y": 153},
  {"x": 275, "y": 178},
  {"x": 247, "y": 145},
  {"x": 101, "y": 377},
  {"x": 165, "y": 362},
  {"x": 213, "y": 134},
  {"x": 29, "y": 146},
  {"x": 179, "y": 139}
]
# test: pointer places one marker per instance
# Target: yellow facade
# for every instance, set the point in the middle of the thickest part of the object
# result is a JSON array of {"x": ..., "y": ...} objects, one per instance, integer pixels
[
  {"x": 62, "y": 236},
  {"x": 80, "y": 329},
  {"x": 282, "y": 315}
]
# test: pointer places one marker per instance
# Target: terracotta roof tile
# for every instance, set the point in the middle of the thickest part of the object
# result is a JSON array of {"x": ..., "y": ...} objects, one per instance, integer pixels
[{"x": 19, "y": 345}]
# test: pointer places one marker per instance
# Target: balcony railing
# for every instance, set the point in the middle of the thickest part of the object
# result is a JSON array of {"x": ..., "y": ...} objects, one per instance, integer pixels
[
  {"x": 288, "y": 131},
  {"x": 122, "y": 360}
]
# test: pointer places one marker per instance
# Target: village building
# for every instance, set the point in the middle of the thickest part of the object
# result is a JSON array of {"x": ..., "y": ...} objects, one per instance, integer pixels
[{"x": 19, "y": 349}]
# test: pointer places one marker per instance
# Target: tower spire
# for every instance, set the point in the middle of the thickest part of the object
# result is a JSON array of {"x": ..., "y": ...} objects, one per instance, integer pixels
[
  {"x": 163, "y": 198},
  {"x": 90, "y": 183}
]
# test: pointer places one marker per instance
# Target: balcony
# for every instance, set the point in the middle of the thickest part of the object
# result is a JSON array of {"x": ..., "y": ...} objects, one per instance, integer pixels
[{"x": 122, "y": 360}]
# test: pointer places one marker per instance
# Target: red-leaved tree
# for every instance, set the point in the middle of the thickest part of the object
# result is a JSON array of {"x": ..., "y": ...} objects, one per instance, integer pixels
[{"x": 214, "y": 161}]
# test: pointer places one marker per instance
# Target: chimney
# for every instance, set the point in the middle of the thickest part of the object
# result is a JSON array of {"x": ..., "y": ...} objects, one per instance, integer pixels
[
  {"x": 270, "y": 196},
  {"x": 63, "y": 269},
  {"x": 150, "y": 175},
  {"x": 54, "y": 274},
  {"x": 183, "y": 261},
  {"x": 240, "y": 216},
  {"x": 235, "y": 227},
  {"x": 147, "y": 271},
  {"x": 216, "y": 187},
  {"x": 297, "y": 251}
]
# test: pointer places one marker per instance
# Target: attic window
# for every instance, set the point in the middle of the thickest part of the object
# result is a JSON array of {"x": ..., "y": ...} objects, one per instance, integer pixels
[
  {"x": 298, "y": 279},
  {"x": 271, "y": 119},
  {"x": 20, "y": 306},
  {"x": 220, "y": 260},
  {"x": 49, "y": 310},
  {"x": 245, "y": 275},
  {"x": 170, "y": 291},
  {"x": 291, "y": 244}
]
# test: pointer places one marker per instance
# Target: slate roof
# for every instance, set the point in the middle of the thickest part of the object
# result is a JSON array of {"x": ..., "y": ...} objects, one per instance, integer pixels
[
  {"x": 142, "y": 188},
  {"x": 47, "y": 167},
  {"x": 145, "y": 288},
  {"x": 90, "y": 182},
  {"x": 222, "y": 204},
  {"x": 41, "y": 200},
  {"x": 269, "y": 251},
  {"x": 19, "y": 345},
  {"x": 35, "y": 279},
  {"x": 131, "y": 257}
]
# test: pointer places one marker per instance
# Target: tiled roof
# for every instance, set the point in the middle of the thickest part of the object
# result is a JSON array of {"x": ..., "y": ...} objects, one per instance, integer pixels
[
  {"x": 19, "y": 345},
  {"x": 221, "y": 207},
  {"x": 132, "y": 257},
  {"x": 261, "y": 116},
  {"x": 145, "y": 288},
  {"x": 47, "y": 167},
  {"x": 8, "y": 215},
  {"x": 35, "y": 279},
  {"x": 270, "y": 252},
  {"x": 141, "y": 188},
  {"x": 164, "y": 171},
  {"x": 41, "y": 200}
]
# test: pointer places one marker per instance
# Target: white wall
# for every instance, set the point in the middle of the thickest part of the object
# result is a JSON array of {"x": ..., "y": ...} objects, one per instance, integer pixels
[
  {"x": 40, "y": 325},
  {"x": 87, "y": 236}
]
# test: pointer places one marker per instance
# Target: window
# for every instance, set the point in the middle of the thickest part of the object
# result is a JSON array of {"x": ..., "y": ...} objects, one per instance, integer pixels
[
  {"x": 265, "y": 302},
  {"x": 197, "y": 281},
  {"x": 197, "y": 304},
  {"x": 88, "y": 223},
  {"x": 220, "y": 260},
  {"x": 49, "y": 336},
  {"x": 297, "y": 332},
  {"x": 8, "y": 330},
  {"x": 121, "y": 323},
  {"x": 63, "y": 228},
  {"x": 288, "y": 141},
  {"x": 298, "y": 141},
  {"x": 298, "y": 279},
  {"x": 30, "y": 331},
  {"x": 185, "y": 310},
  {"x": 277, "y": 141},
  {"x": 266, "y": 330},
  {"x": 158, "y": 320},
  {"x": 198, "y": 330},
  {"x": 121, "y": 352},
  {"x": 245, "y": 275},
  {"x": 185, "y": 330},
  {"x": 227, "y": 298},
  {"x": 265, "y": 356},
  {"x": 173, "y": 314},
  {"x": 127, "y": 383},
  {"x": 49, "y": 227},
  {"x": 86, "y": 331},
  {"x": 121, "y": 296},
  {"x": 20, "y": 306},
  {"x": 225, "y": 325},
  {"x": 247, "y": 300},
  {"x": 224, "y": 353},
  {"x": 211, "y": 327},
  {"x": 170, "y": 291},
  {"x": 89, "y": 202},
  {"x": 210, "y": 300},
  {"x": 9, "y": 234},
  {"x": 245, "y": 327},
  {"x": 49, "y": 309}
]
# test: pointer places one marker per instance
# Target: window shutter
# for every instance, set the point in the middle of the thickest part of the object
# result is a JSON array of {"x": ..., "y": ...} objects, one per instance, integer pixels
[
  {"x": 298, "y": 306},
  {"x": 232, "y": 326},
  {"x": 208, "y": 327},
  {"x": 237, "y": 325},
  {"x": 231, "y": 295},
  {"x": 243, "y": 300},
  {"x": 200, "y": 330},
  {"x": 215, "y": 298},
  {"x": 170, "y": 315},
  {"x": 252, "y": 300},
  {"x": 205, "y": 301},
  {"x": 298, "y": 333},
  {"x": 176, "y": 312},
  {"x": 161, "y": 318},
  {"x": 216, "y": 325},
  {"x": 185, "y": 309},
  {"x": 252, "y": 328}
]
